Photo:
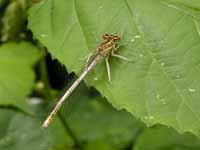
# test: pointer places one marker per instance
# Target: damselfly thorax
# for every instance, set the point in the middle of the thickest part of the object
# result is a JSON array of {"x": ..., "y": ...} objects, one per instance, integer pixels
[{"x": 109, "y": 45}]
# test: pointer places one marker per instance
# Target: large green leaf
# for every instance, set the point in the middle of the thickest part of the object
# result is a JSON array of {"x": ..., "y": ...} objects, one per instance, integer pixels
[
  {"x": 161, "y": 85},
  {"x": 17, "y": 76},
  {"x": 163, "y": 138}
]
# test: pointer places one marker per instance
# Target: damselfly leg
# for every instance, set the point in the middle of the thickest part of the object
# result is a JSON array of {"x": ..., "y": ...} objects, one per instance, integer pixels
[
  {"x": 120, "y": 57},
  {"x": 108, "y": 69}
]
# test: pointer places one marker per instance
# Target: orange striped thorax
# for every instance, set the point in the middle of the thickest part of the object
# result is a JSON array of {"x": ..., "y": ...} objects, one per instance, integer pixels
[{"x": 109, "y": 44}]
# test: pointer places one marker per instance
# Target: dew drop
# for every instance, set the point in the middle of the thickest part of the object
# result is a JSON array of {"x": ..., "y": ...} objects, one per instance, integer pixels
[
  {"x": 163, "y": 101},
  {"x": 149, "y": 118},
  {"x": 157, "y": 96},
  {"x": 96, "y": 79},
  {"x": 178, "y": 76},
  {"x": 43, "y": 35},
  {"x": 141, "y": 55},
  {"x": 132, "y": 40},
  {"x": 162, "y": 64},
  {"x": 192, "y": 90},
  {"x": 137, "y": 37}
]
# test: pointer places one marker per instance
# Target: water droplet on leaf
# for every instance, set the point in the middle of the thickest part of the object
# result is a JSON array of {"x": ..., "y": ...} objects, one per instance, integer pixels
[
  {"x": 162, "y": 64},
  {"x": 163, "y": 101},
  {"x": 43, "y": 35},
  {"x": 149, "y": 118},
  {"x": 96, "y": 79},
  {"x": 137, "y": 36},
  {"x": 192, "y": 90},
  {"x": 141, "y": 55},
  {"x": 178, "y": 76},
  {"x": 157, "y": 96},
  {"x": 132, "y": 40}
]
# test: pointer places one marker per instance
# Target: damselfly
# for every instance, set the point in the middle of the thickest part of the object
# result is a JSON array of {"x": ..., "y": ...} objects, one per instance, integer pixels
[{"x": 106, "y": 49}]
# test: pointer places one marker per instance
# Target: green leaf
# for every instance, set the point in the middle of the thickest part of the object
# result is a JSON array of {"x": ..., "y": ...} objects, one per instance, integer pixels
[
  {"x": 162, "y": 138},
  {"x": 161, "y": 85},
  {"x": 94, "y": 122},
  {"x": 24, "y": 136},
  {"x": 60, "y": 138},
  {"x": 17, "y": 76},
  {"x": 5, "y": 118},
  {"x": 20, "y": 132},
  {"x": 24, "y": 133}
]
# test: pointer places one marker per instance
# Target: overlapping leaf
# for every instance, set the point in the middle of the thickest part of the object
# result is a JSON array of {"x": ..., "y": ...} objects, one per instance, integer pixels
[
  {"x": 161, "y": 85},
  {"x": 22, "y": 132},
  {"x": 16, "y": 73}
]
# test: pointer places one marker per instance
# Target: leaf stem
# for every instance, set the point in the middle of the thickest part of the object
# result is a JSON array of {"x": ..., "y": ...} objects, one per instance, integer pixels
[{"x": 77, "y": 144}]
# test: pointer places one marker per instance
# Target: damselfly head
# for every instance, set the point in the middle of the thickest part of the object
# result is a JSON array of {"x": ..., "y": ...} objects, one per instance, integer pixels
[{"x": 111, "y": 37}]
